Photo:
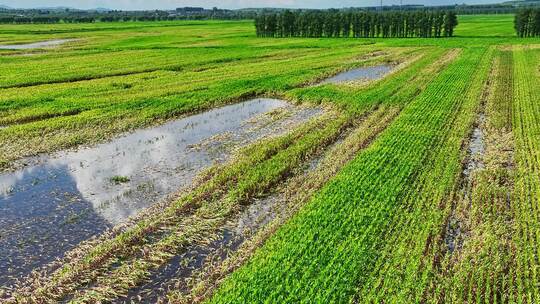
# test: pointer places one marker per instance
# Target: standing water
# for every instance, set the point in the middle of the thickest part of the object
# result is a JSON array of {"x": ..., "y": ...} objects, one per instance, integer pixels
[
  {"x": 50, "y": 207},
  {"x": 36, "y": 45},
  {"x": 475, "y": 153},
  {"x": 363, "y": 73}
]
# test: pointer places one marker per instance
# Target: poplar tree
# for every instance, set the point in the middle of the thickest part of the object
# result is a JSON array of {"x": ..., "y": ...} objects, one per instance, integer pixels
[
  {"x": 363, "y": 24},
  {"x": 527, "y": 23}
]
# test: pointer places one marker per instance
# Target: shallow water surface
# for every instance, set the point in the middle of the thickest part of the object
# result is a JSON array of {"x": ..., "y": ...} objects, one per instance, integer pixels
[
  {"x": 35, "y": 45},
  {"x": 363, "y": 73},
  {"x": 62, "y": 199},
  {"x": 475, "y": 153},
  {"x": 176, "y": 273},
  {"x": 182, "y": 267},
  {"x": 476, "y": 148}
]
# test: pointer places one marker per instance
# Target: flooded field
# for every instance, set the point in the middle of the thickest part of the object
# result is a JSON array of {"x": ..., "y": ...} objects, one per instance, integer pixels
[
  {"x": 363, "y": 73},
  {"x": 476, "y": 148},
  {"x": 181, "y": 268},
  {"x": 474, "y": 162},
  {"x": 36, "y": 45},
  {"x": 49, "y": 207},
  {"x": 409, "y": 169}
]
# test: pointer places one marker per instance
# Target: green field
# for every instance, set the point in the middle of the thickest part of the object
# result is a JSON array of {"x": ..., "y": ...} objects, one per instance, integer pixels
[{"x": 390, "y": 215}]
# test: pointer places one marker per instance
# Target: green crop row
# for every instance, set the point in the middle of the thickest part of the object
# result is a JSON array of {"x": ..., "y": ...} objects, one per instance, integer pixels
[
  {"x": 329, "y": 252},
  {"x": 526, "y": 204},
  {"x": 408, "y": 263},
  {"x": 68, "y": 114},
  {"x": 482, "y": 267}
]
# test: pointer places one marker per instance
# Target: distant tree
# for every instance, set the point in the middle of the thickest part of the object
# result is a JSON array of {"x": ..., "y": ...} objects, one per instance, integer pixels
[
  {"x": 438, "y": 24},
  {"x": 288, "y": 24},
  {"x": 346, "y": 21},
  {"x": 7, "y": 19},
  {"x": 22, "y": 20},
  {"x": 521, "y": 23},
  {"x": 272, "y": 25},
  {"x": 527, "y": 23},
  {"x": 358, "y": 24},
  {"x": 536, "y": 23},
  {"x": 450, "y": 22},
  {"x": 260, "y": 25}
]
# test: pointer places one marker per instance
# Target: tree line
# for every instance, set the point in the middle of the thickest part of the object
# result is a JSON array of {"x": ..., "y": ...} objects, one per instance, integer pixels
[
  {"x": 34, "y": 16},
  {"x": 357, "y": 24},
  {"x": 527, "y": 22},
  {"x": 84, "y": 19}
]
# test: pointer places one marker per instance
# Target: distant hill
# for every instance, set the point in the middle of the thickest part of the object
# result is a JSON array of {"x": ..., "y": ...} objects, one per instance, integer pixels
[
  {"x": 62, "y": 8},
  {"x": 101, "y": 9},
  {"x": 523, "y": 2},
  {"x": 56, "y": 8}
]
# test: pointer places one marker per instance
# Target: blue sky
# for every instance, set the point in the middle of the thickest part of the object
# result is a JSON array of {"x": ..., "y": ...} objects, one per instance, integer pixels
[{"x": 169, "y": 4}]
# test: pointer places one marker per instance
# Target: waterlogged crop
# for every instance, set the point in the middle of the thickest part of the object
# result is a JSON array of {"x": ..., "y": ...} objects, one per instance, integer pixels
[
  {"x": 417, "y": 186},
  {"x": 338, "y": 241}
]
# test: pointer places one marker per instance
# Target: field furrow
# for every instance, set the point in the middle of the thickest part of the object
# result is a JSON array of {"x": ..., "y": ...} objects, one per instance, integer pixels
[{"x": 335, "y": 242}]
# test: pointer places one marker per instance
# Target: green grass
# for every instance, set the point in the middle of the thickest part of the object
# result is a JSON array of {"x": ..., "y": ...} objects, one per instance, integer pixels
[{"x": 376, "y": 231}]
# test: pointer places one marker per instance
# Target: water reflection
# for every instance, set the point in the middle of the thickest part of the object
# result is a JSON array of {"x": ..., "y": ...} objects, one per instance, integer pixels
[
  {"x": 36, "y": 45},
  {"x": 40, "y": 216},
  {"x": 363, "y": 73},
  {"x": 50, "y": 207}
]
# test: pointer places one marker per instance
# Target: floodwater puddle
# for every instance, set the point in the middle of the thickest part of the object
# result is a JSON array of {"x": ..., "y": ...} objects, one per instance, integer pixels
[
  {"x": 181, "y": 268},
  {"x": 360, "y": 74},
  {"x": 62, "y": 199},
  {"x": 475, "y": 152},
  {"x": 176, "y": 273},
  {"x": 36, "y": 45},
  {"x": 476, "y": 148}
]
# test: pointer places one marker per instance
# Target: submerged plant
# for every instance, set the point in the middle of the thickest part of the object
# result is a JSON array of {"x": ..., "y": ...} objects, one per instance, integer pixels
[{"x": 118, "y": 179}]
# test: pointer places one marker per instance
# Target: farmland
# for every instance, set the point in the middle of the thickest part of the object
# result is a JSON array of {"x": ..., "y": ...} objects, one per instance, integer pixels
[{"x": 418, "y": 183}]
